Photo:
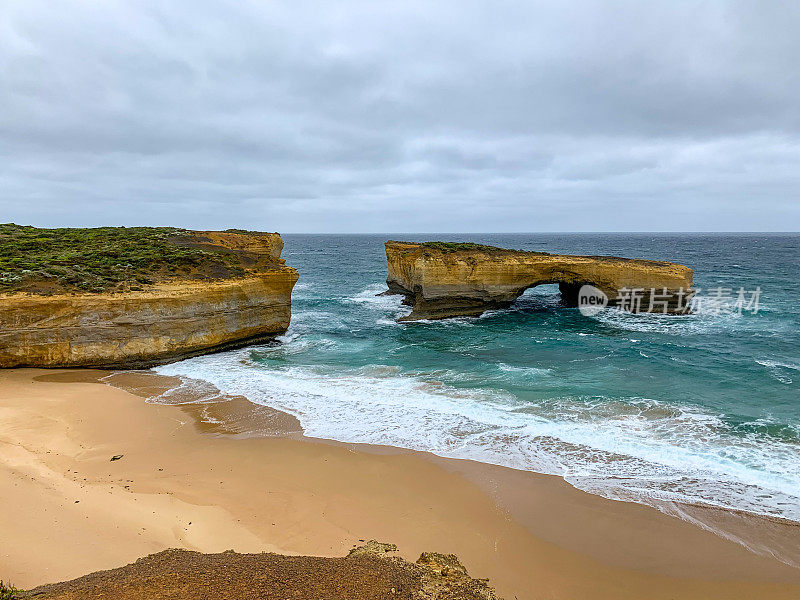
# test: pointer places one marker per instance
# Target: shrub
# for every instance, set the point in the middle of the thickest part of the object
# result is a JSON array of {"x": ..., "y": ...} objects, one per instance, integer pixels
[
  {"x": 100, "y": 259},
  {"x": 8, "y": 592}
]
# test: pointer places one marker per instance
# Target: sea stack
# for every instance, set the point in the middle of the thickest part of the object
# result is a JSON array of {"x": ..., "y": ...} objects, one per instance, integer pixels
[
  {"x": 441, "y": 279},
  {"x": 137, "y": 297}
]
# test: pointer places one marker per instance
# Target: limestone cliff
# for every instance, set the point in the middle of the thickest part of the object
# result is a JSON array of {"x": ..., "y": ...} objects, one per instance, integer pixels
[
  {"x": 221, "y": 290},
  {"x": 441, "y": 280}
]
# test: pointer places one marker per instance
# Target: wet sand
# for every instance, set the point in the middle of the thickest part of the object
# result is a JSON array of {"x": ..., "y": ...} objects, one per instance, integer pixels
[{"x": 204, "y": 477}]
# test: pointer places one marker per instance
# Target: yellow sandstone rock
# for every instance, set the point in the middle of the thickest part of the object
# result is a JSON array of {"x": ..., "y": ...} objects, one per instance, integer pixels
[
  {"x": 441, "y": 280},
  {"x": 171, "y": 319}
]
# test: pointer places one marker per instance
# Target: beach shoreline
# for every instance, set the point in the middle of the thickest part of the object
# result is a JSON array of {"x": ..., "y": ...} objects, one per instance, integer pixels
[{"x": 205, "y": 476}]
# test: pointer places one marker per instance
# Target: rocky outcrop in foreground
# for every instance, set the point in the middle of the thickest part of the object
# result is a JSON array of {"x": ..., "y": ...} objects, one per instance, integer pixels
[
  {"x": 370, "y": 572},
  {"x": 167, "y": 295},
  {"x": 441, "y": 280}
]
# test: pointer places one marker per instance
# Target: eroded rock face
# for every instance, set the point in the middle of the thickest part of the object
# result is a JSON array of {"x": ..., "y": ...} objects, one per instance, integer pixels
[
  {"x": 168, "y": 320},
  {"x": 448, "y": 280}
]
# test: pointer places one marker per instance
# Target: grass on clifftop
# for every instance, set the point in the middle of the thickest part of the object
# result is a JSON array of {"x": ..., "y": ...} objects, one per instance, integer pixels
[
  {"x": 456, "y": 246},
  {"x": 99, "y": 259}
]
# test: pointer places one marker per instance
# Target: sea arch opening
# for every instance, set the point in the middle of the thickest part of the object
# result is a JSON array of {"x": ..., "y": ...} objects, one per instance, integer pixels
[
  {"x": 552, "y": 293},
  {"x": 542, "y": 296}
]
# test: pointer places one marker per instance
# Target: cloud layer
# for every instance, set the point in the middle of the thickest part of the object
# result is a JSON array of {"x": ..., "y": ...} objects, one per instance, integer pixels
[{"x": 401, "y": 116}]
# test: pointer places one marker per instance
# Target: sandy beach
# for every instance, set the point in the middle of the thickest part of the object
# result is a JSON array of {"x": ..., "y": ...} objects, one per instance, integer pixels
[{"x": 205, "y": 477}]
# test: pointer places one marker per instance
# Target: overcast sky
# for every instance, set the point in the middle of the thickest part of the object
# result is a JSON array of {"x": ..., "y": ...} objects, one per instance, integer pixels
[{"x": 401, "y": 116}]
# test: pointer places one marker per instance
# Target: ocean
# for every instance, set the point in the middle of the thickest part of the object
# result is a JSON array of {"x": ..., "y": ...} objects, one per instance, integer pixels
[{"x": 701, "y": 408}]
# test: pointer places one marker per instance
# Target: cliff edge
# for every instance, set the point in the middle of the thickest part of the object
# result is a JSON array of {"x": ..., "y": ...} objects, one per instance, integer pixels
[
  {"x": 441, "y": 280},
  {"x": 137, "y": 297},
  {"x": 370, "y": 572}
]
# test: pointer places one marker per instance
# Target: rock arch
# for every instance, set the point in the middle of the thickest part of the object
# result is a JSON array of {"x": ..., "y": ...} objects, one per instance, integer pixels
[{"x": 441, "y": 280}]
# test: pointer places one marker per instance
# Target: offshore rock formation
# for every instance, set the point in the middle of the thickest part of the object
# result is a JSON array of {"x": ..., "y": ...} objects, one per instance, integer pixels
[
  {"x": 370, "y": 572},
  {"x": 234, "y": 290},
  {"x": 441, "y": 280}
]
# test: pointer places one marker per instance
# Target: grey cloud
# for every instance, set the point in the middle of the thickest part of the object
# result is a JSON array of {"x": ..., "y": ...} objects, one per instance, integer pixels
[{"x": 414, "y": 116}]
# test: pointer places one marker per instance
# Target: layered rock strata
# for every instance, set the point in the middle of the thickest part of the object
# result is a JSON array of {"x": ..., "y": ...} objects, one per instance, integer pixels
[
  {"x": 170, "y": 318},
  {"x": 441, "y": 280}
]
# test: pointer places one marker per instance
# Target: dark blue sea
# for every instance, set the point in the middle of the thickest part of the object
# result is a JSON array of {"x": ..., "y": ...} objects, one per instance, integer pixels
[{"x": 702, "y": 408}]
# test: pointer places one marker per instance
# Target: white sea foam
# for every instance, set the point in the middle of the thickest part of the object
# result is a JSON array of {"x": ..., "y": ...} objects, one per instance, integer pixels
[
  {"x": 704, "y": 320},
  {"x": 778, "y": 369},
  {"x": 524, "y": 371},
  {"x": 373, "y": 297},
  {"x": 778, "y": 364},
  {"x": 636, "y": 449}
]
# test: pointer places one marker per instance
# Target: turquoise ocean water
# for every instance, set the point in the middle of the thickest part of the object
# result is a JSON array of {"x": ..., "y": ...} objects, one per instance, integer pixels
[{"x": 702, "y": 408}]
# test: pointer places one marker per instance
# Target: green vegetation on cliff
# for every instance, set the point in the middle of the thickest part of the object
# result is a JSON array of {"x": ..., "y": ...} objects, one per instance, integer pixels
[
  {"x": 456, "y": 246},
  {"x": 8, "y": 592},
  {"x": 102, "y": 258}
]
